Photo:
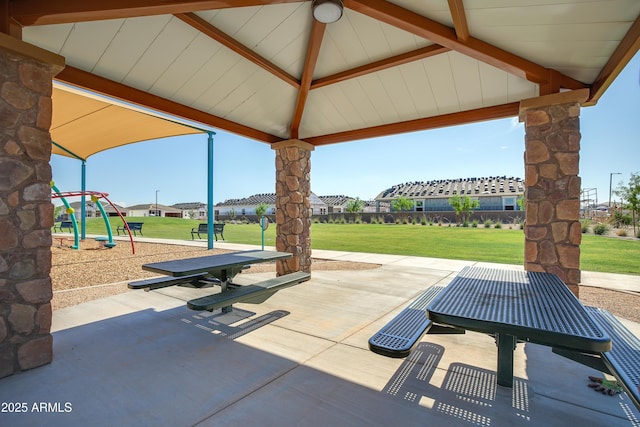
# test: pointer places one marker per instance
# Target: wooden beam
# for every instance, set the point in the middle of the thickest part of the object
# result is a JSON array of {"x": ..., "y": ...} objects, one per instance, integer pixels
[
  {"x": 459, "y": 19},
  {"x": 45, "y": 12},
  {"x": 453, "y": 119},
  {"x": 628, "y": 47},
  {"x": 313, "y": 50},
  {"x": 394, "y": 61},
  {"x": 209, "y": 30},
  {"x": 421, "y": 26},
  {"x": 86, "y": 80}
]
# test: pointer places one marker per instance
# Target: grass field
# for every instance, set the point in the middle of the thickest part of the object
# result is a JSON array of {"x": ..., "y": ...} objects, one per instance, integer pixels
[{"x": 599, "y": 253}]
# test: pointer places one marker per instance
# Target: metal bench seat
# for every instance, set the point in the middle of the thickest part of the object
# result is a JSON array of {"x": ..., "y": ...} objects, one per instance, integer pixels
[
  {"x": 398, "y": 337},
  {"x": 623, "y": 361},
  {"x": 254, "y": 294},
  {"x": 194, "y": 280}
]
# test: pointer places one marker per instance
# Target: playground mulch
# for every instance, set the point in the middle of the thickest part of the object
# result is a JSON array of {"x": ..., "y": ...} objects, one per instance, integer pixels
[{"x": 92, "y": 273}]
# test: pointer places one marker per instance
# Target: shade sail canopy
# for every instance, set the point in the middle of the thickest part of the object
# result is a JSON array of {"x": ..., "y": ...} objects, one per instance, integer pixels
[
  {"x": 265, "y": 69},
  {"x": 84, "y": 124}
]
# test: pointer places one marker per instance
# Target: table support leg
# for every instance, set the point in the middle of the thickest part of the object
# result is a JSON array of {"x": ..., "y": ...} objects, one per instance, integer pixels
[
  {"x": 506, "y": 348},
  {"x": 224, "y": 281}
]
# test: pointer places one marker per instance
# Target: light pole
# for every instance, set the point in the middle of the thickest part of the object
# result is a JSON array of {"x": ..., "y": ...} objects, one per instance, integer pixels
[
  {"x": 157, "y": 202},
  {"x": 610, "y": 181}
]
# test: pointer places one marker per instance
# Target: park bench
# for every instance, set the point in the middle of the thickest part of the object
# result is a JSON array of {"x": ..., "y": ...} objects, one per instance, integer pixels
[
  {"x": 67, "y": 225},
  {"x": 252, "y": 294},
  {"x": 218, "y": 228},
  {"x": 398, "y": 337},
  {"x": 622, "y": 361},
  {"x": 135, "y": 227}
]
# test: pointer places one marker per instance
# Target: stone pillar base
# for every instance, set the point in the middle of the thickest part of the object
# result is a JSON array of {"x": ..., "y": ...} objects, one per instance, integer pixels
[
  {"x": 293, "y": 208},
  {"x": 552, "y": 152},
  {"x": 26, "y": 212}
]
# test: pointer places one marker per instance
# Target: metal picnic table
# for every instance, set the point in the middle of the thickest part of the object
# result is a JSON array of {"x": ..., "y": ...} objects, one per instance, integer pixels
[{"x": 517, "y": 306}]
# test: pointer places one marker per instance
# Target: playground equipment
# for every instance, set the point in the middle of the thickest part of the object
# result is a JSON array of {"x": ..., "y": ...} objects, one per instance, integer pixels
[{"x": 95, "y": 197}]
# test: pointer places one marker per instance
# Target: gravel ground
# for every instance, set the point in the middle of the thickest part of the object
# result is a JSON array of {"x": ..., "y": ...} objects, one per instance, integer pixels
[{"x": 92, "y": 273}]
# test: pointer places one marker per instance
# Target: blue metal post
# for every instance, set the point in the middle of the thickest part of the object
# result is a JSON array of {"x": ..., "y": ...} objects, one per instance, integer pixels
[
  {"x": 83, "y": 216},
  {"x": 210, "y": 218}
]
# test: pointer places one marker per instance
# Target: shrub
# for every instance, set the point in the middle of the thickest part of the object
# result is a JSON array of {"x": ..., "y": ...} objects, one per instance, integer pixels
[
  {"x": 622, "y": 233},
  {"x": 600, "y": 229},
  {"x": 487, "y": 223},
  {"x": 584, "y": 224},
  {"x": 373, "y": 220},
  {"x": 499, "y": 224},
  {"x": 619, "y": 219},
  {"x": 474, "y": 223}
]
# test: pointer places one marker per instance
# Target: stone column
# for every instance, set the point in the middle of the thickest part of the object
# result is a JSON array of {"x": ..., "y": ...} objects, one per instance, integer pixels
[
  {"x": 552, "y": 186},
  {"x": 26, "y": 212},
  {"x": 293, "y": 208}
]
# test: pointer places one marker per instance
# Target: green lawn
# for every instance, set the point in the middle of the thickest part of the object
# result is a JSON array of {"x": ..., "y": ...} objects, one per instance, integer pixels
[{"x": 505, "y": 246}]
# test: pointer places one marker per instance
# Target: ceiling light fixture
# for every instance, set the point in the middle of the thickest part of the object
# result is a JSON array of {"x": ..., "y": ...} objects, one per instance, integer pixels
[{"x": 327, "y": 11}]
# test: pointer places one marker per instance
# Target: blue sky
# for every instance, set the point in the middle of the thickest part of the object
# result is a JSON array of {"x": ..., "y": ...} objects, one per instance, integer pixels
[{"x": 176, "y": 167}]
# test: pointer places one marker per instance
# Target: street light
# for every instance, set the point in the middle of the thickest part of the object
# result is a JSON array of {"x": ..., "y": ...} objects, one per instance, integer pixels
[
  {"x": 157, "y": 202},
  {"x": 610, "y": 180}
]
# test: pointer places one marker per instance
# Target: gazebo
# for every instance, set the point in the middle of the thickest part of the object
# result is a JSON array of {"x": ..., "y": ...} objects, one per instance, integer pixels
[{"x": 299, "y": 75}]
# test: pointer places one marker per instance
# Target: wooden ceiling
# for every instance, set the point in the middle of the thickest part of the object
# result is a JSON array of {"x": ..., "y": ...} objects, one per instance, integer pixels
[{"x": 265, "y": 69}]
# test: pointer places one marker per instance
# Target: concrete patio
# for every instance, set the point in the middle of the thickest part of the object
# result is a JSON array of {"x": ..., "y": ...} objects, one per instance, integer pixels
[{"x": 302, "y": 359}]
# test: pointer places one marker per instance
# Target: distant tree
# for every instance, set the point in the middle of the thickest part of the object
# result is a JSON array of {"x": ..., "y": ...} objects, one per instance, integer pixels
[
  {"x": 630, "y": 195},
  {"x": 402, "y": 204},
  {"x": 57, "y": 211},
  {"x": 521, "y": 203},
  {"x": 463, "y": 206},
  {"x": 232, "y": 213},
  {"x": 354, "y": 206},
  {"x": 261, "y": 209}
]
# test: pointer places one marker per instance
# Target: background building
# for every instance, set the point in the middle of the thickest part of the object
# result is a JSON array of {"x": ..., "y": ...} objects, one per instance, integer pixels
[{"x": 493, "y": 193}]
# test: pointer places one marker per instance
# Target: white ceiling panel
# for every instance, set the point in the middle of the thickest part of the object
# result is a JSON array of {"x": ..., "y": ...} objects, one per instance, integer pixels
[
  {"x": 321, "y": 116},
  {"x": 187, "y": 64},
  {"x": 442, "y": 83},
  {"x": 466, "y": 76},
  {"x": 380, "y": 98},
  {"x": 125, "y": 49},
  {"x": 399, "y": 93},
  {"x": 267, "y": 108},
  {"x": 520, "y": 88},
  {"x": 438, "y": 10},
  {"x": 227, "y": 75},
  {"x": 161, "y": 53},
  {"x": 421, "y": 93},
  {"x": 347, "y": 109},
  {"x": 169, "y": 58},
  {"x": 49, "y": 37},
  {"x": 218, "y": 65},
  {"x": 357, "y": 40},
  {"x": 87, "y": 41},
  {"x": 510, "y": 13},
  {"x": 494, "y": 84}
]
